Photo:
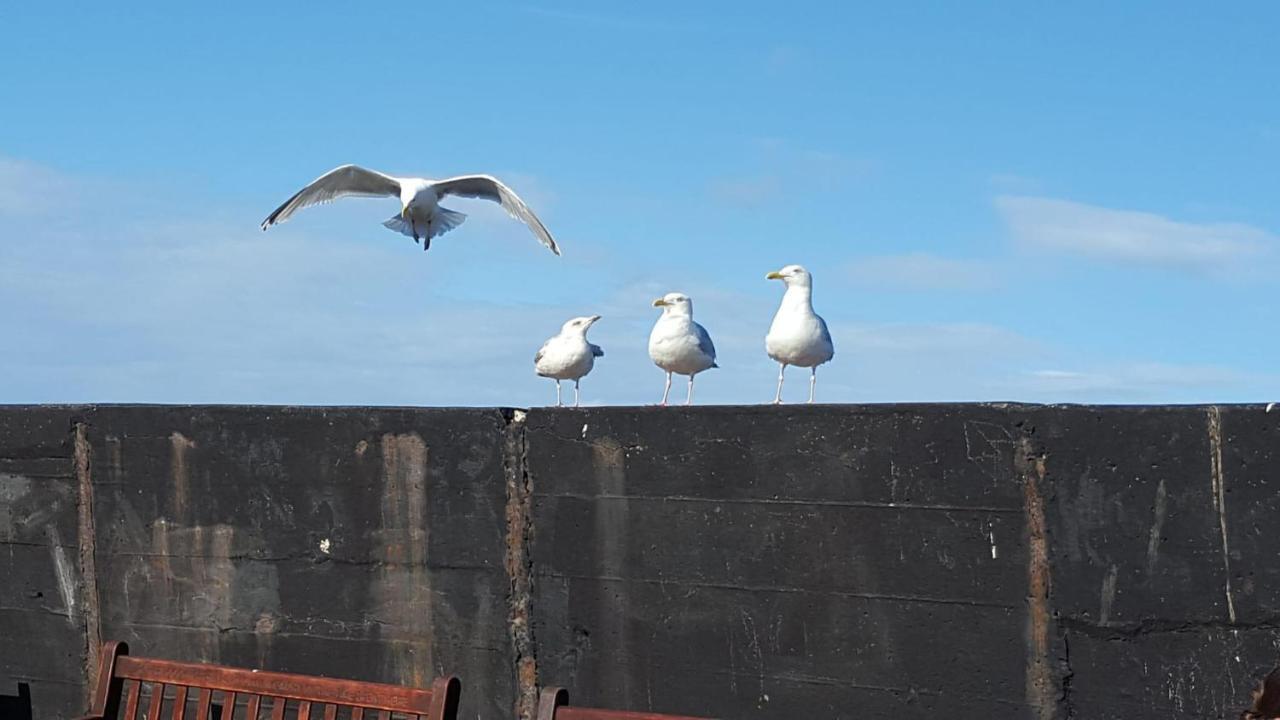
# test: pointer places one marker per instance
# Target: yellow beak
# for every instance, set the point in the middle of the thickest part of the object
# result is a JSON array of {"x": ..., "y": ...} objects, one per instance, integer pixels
[
  {"x": 404, "y": 212},
  {"x": 775, "y": 275},
  {"x": 659, "y": 303}
]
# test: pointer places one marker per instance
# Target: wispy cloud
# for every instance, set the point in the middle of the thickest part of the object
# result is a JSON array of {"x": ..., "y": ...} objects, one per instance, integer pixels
[
  {"x": 1132, "y": 237},
  {"x": 923, "y": 271},
  {"x": 1130, "y": 382},
  {"x": 29, "y": 189},
  {"x": 776, "y": 165}
]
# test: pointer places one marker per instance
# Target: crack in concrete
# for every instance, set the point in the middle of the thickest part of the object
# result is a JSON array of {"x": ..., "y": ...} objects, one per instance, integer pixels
[{"x": 1218, "y": 482}]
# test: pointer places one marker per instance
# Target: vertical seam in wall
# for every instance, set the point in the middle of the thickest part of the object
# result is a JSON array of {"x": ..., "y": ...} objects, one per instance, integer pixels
[
  {"x": 87, "y": 545},
  {"x": 519, "y": 564},
  {"x": 1218, "y": 482}
]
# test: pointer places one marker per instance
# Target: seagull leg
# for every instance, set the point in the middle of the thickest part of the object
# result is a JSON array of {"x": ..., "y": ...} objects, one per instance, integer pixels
[
  {"x": 777, "y": 399},
  {"x": 813, "y": 383},
  {"x": 666, "y": 391},
  {"x": 689, "y": 400},
  {"x": 558, "y": 403},
  {"x": 575, "y": 392}
]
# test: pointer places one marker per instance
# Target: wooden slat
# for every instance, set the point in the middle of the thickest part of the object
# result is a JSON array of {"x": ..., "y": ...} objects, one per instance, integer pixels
[
  {"x": 251, "y": 710},
  {"x": 157, "y": 700},
  {"x": 277, "y": 708},
  {"x": 357, "y": 713},
  {"x": 131, "y": 700},
  {"x": 180, "y": 703},
  {"x": 202, "y": 704},
  {"x": 384, "y": 715},
  {"x": 287, "y": 685},
  {"x": 304, "y": 710},
  {"x": 330, "y": 712}
]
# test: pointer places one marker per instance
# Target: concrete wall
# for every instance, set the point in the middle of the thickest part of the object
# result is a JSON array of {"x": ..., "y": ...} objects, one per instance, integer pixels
[{"x": 972, "y": 561}]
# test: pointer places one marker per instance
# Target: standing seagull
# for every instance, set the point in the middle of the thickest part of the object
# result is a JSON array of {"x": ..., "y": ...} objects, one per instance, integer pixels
[
  {"x": 421, "y": 216},
  {"x": 797, "y": 336},
  {"x": 678, "y": 344},
  {"x": 568, "y": 355}
]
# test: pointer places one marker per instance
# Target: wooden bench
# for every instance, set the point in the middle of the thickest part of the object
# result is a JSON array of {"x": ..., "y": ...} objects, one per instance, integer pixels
[
  {"x": 554, "y": 705},
  {"x": 294, "y": 696}
]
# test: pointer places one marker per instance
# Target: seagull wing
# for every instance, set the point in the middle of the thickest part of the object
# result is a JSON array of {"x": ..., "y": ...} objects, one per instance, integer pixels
[
  {"x": 537, "y": 358},
  {"x": 345, "y": 181},
  {"x": 704, "y": 341},
  {"x": 596, "y": 350},
  {"x": 489, "y": 188}
]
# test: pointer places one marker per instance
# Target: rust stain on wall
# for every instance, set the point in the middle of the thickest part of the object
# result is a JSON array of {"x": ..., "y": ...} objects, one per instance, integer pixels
[
  {"x": 179, "y": 474},
  {"x": 83, "y": 459},
  {"x": 403, "y": 590},
  {"x": 519, "y": 567},
  {"x": 1041, "y": 685}
]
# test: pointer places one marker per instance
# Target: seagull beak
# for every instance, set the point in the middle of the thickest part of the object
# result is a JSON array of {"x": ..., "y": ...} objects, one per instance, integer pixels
[
  {"x": 660, "y": 303},
  {"x": 775, "y": 275},
  {"x": 594, "y": 319},
  {"x": 404, "y": 212}
]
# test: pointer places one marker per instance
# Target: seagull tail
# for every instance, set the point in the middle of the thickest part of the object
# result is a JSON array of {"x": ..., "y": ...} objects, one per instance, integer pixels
[{"x": 443, "y": 222}]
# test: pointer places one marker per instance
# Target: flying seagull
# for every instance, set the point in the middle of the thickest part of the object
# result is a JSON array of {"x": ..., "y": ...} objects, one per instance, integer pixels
[
  {"x": 421, "y": 216},
  {"x": 678, "y": 344},
  {"x": 568, "y": 355},
  {"x": 798, "y": 336}
]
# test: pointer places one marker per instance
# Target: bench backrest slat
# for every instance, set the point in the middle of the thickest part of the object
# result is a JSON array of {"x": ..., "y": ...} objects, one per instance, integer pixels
[
  {"x": 394, "y": 698},
  {"x": 122, "y": 674}
]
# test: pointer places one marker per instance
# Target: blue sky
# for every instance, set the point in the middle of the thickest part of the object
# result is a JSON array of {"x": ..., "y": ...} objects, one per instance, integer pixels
[{"x": 998, "y": 201}]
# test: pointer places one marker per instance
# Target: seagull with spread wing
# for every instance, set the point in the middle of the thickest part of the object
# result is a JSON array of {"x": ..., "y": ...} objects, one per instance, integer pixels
[{"x": 421, "y": 216}]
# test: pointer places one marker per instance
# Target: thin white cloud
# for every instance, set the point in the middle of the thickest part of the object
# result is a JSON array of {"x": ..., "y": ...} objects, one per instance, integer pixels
[
  {"x": 923, "y": 271},
  {"x": 1131, "y": 237},
  {"x": 752, "y": 191},
  {"x": 779, "y": 166},
  {"x": 29, "y": 189},
  {"x": 1130, "y": 382}
]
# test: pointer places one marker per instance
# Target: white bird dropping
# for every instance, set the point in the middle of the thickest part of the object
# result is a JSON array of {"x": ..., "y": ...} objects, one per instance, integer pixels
[
  {"x": 568, "y": 356},
  {"x": 797, "y": 336},
  {"x": 678, "y": 344}
]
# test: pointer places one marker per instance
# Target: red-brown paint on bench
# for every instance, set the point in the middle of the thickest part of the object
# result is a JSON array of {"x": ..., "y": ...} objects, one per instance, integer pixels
[{"x": 118, "y": 669}]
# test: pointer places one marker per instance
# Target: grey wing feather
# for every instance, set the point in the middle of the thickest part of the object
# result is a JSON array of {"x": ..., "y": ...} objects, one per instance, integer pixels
[
  {"x": 340, "y": 182},
  {"x": 596, "y": 350},
  {"x": 486, "y": 187},
  {"x": 826, "y": 334},
  {"x": 704, "y": 341}
]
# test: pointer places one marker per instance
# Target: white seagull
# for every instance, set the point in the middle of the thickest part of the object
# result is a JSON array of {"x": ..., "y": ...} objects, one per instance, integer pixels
[
  {"x": 568, "y": 355},
  {"x": 678, "y": 344},
  {"x": 421, "y": 216},
  {"x": 798, "y": 336}
]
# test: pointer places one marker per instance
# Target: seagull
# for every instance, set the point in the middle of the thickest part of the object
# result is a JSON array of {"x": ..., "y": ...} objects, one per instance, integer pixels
[
  {"x": 678, "y": 344},
  {"x": 798, "y": 336},
  {"x": 568, "y": 356},
  {"x": 421, "y": 216}
]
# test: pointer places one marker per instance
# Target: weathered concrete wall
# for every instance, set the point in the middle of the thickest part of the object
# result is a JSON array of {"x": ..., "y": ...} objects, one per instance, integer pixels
[{"x": 972, "y": 561}]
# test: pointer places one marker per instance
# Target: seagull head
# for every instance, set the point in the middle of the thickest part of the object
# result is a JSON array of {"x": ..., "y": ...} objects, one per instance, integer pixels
[
  {"x": 793, "y": 276},
  {"x": 579, "y": 325},
  {"x": 675, "y": 304}
]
